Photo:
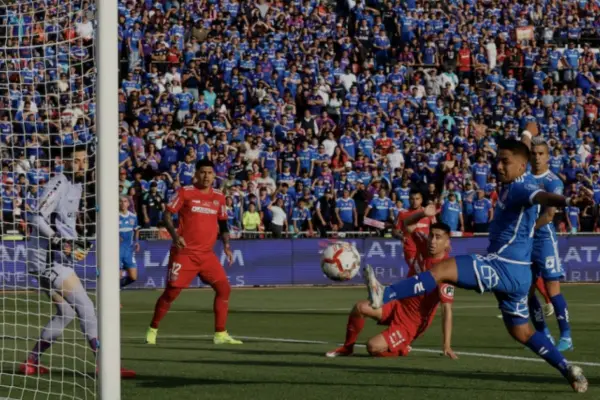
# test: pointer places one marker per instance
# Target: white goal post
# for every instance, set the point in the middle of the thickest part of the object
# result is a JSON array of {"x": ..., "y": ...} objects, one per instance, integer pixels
[{"x": 107, "y": 62}]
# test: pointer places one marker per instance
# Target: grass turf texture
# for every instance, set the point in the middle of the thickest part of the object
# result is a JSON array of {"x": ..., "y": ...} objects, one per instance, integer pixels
[{"x": 186, "y": 365}]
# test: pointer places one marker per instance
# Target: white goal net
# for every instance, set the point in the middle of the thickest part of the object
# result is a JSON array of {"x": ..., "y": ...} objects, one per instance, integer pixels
[{"x": 47, "y": 105}]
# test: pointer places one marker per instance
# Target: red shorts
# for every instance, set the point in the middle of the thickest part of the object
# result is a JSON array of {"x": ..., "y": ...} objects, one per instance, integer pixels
[
  {"x": 183, "y": 268},
  {"x": 396, "y": 335}
]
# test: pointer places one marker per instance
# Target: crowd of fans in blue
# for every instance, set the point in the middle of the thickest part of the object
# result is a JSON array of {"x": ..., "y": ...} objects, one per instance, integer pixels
[{"x": 316, "y": 115}]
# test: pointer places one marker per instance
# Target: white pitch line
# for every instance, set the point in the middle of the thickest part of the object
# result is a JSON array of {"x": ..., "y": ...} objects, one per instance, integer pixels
[{"x": 415, "y": 349}]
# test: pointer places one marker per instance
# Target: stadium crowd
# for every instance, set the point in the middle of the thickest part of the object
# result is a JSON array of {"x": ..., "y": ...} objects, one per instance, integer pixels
[{"x": 319, "y": 117}]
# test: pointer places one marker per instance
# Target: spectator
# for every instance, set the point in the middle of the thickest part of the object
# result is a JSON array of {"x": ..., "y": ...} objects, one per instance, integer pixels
[
  {"x": 153, "y": 206},
  {"x": 251, "y": 220},
  {"x": 452, "y": 214},
  {"x": 346, "y": 212},
  {"x": 483, "y": 212},
  {"x": 279, "y": 222}
]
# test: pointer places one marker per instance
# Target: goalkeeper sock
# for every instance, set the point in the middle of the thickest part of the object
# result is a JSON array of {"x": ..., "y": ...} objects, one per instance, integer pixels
[
  {"x": 53, "y": 330},
  {"x": 221, "y": 304},
  {"x": 355, "y": 325},
  {"x": 126, "y": 280},
  {"x": 537, "y": 315},
  {"x": 562, "y": 315},
  {"x": 163, "y": 304},
  {"x": 542, "y": 346},
  {"x": 414, "y": 286}
]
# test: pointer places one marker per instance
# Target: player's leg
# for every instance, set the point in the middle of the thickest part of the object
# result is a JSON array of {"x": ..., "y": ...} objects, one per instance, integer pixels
[
  {"x": 461, "y": 271},
  {"x": 128, "y": 263},
  {"x": 180, "y": 275},
  {"x": 516, "y": 320},
  {"x": 535, "y": 308},
  {"x": 547, "y": 307},
  {"x": 355, "y": 325},
  {"x": 392, "y": 342},
  {"x": 53, "y": 330},
  {"x": 212, "y": 273}
]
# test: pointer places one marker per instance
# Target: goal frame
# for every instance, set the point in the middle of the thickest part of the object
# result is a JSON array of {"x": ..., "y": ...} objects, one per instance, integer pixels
[{"x": 107, "y": 176}]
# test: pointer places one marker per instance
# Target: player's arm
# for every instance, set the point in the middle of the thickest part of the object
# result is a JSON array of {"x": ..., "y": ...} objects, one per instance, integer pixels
[
  {"x": 530, "y": 131},
  {"x": 447, "y": 330},
  {"x": 173, "y": 208},
  {"x": 47, "y": 205},
  {"x": 428, "y": 211},
  {"x": 224, "y": 230},
  {"x": 546, "y": 217},
  {"x": 556, "y": 200}
]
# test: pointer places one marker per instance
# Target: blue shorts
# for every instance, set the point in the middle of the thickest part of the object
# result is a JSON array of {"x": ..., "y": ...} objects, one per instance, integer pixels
[
  {"x": 127, "y": 259},
  {"x": 545, "y": 260},
  {"x": 508, "y": 280}
]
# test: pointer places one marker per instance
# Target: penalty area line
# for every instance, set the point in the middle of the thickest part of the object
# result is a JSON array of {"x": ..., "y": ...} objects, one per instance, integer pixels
[{"x": 414, "y": 349}]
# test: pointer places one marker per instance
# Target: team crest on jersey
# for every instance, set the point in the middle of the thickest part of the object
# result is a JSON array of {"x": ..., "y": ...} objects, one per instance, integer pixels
[{"x": 216, "y": 202}]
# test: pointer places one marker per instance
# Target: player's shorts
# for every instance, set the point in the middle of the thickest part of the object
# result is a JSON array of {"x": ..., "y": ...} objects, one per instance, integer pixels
[
  {"x": 508, "y": 280},
  {"x": 398, "y": 338},
  {"x": 127, "y": 259},
  {"x": 49, "y": 274},
  {"x": 183, "y": 268},
  {"x": 545, "y": 260}
]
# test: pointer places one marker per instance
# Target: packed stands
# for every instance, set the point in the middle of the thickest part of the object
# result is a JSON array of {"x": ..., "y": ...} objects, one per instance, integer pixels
[{"x": 304, "y": 106}]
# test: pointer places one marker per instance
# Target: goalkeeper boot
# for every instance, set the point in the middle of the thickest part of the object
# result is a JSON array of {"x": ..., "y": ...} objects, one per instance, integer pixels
[
  {"x": 565, "y": 343},
  {"x": 343, "y": 351},
  {"x": 151, "y": 334},
  {"x": 374, "y": 287},
  {"x": 30, "y": 367},
  {"x": 575, "y": 377},
  {"x": 224, "y": 338}
]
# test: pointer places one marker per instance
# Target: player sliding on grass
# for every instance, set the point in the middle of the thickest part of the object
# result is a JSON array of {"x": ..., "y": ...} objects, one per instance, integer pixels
[
  {"x": 409, "y": 318},
  {"x": 202, "y": 215},
  {"x": 506, "y": 269}
]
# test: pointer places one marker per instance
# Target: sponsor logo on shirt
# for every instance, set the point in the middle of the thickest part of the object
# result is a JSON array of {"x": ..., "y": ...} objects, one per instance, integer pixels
[{"x": 203, "y": 210}]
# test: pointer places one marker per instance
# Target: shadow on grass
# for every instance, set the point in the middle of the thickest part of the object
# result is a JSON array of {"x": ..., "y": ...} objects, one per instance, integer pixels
[{"x": 167, "y": 382}]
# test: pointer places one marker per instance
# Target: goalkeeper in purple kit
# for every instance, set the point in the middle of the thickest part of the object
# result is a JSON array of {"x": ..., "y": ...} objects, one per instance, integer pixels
[{"x": 506, "y": 269}]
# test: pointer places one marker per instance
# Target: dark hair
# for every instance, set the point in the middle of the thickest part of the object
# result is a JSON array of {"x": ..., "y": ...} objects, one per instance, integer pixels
[
  {"x": 415, "y": 191},
  {"x": 516, "y": 147},
  {"x": 205, "y": 162},
  {"x": 441, "y": 226},
  {"x": 68, "y": 151}
]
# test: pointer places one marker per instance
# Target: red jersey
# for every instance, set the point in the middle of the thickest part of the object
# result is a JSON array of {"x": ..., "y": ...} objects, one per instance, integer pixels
[
  {"x": 420, "y": 311},
  {"x": 410, "y": 247},
  {"x": 199, "y": 214}
]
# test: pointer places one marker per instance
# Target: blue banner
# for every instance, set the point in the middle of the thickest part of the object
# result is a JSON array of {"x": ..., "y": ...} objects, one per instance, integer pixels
[{"x": 291, "y": 262}]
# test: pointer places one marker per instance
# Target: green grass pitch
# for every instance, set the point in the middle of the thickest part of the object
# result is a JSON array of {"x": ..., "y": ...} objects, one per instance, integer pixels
[{"x": 287, "y": 332}]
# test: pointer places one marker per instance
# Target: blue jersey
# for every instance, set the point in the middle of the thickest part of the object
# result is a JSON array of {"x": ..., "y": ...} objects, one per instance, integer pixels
[
  {"x": 480, "y": 174},
  {"x": 381, "y": 208},
  {"x": 128, "y": 224},
  {"x": 451, "y": 214},
  {"x": 511, "y": 230},
  {"x": 573, "y": 215},
  {"x": 551, "y": 183},
  {"x": 346, "y": 209},
  {"x": 481, "y": 211},
  {"x": 403, "y": 195}
]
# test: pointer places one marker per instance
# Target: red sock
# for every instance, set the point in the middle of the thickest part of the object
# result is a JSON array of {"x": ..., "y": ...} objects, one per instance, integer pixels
[
  {"x": 163, "y": 304},
  {"x": 541, "y": 287},
  {"x": 353, "y": 328},
  {"x": 221, "y": 304}
]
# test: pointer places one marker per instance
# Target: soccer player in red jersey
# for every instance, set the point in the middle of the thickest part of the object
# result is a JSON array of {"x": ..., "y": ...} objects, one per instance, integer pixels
[
  {"x": 409, "y": 318},
  {"x": 202, "y": 215},
  {"x": 413, "y": 220}
]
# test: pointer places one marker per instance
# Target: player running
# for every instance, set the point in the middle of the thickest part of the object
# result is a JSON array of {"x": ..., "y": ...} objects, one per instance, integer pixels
[
  {"x": 411, "y": 221},
  {"x": 544, "y": 257},
  {"x": 506, "y": 269},
  {"x": 408, "y": 318},
  {"x": 202, "y": 215},
  {"x": 129, "y": 242},
  {"x": 52, "y": 250}
]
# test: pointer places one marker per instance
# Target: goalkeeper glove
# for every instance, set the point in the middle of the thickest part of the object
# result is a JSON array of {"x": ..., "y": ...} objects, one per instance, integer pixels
[{"x": 76, "y": 248}]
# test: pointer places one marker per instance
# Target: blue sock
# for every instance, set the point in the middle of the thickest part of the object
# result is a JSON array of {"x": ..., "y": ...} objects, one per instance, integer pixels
[
  {"x": 537, "y": 315},
  {"x": 411, "y": 287},
  {"x": 562, "y": 315},
  {"x": 126, "y": 280},
  {"x": 542, "y": 346}
]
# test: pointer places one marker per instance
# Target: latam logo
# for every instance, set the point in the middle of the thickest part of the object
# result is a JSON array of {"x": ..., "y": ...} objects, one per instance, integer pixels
[{"x": 203, "y": 210}]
